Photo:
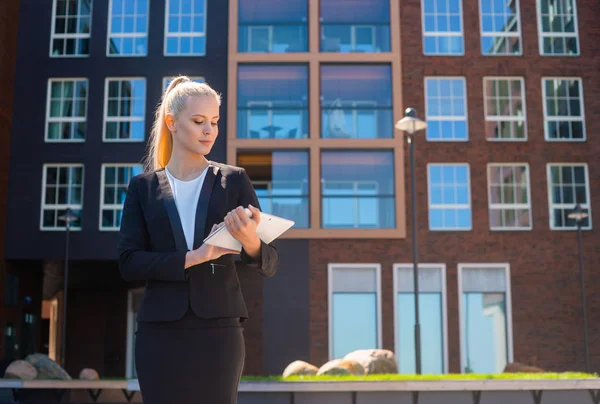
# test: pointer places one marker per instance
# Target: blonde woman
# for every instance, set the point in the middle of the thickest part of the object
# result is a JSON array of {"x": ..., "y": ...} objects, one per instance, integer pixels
[{"x": 189, "y": 343}]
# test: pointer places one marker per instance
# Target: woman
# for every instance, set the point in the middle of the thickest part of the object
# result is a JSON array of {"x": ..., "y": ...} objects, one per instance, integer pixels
[{"x": 189, "y": 343}]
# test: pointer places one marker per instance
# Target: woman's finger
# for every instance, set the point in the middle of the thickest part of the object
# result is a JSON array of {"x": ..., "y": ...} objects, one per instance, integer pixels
[
  {"x": 255, "y": 213},
  {"x": 236, "y": 221}
]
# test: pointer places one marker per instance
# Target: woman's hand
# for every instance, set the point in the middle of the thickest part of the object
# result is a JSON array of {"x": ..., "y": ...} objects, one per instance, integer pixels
[
  {"x": 243, "y": 228},
  {"x": 206, "y": 252}
]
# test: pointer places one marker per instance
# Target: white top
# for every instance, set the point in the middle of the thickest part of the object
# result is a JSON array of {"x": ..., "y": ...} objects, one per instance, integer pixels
[{"x": 186, "y": 195}]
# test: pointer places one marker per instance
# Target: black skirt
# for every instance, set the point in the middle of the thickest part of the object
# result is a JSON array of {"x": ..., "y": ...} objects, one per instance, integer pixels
[{"x": 192, "y": 360}]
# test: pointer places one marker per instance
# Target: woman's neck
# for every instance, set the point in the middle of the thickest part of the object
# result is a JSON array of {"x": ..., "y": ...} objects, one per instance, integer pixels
[{"x": 186, "y": 166}]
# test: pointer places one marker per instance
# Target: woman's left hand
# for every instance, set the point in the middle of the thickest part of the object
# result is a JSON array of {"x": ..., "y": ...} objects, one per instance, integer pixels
[{"x": 243, "y": 228}]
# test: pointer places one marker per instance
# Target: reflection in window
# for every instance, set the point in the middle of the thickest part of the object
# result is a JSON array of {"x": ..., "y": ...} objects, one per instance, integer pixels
[
  {"x": 280, "y": 179},
  {"x": 504, "y": 108},
  {"x": 62, "y": 189},
  {"x": 115, "y": 180},
  {"x": 357, "y": 189},
  {"x": 356, "y": 101},
  {"x": 66, "y": 110},
  {"x": 357, "y": 26},
  {"x": 569, "y": 185},
  {"x": 186, "y": 28},
  {"x": 557, "y": 27},
  {"x": 272, "y": 102},
  {"x": 128, "y": 28},
  {"x": 563, "y": 109},
  {"x": 446, "y": 102},
  {"x": 264, "y": 27},
  {"x": 167, "y": 80},
  {"x": 500, "y": 27},
  {"x": 510, "y": 207},
  {"x": 71, "y": 28},
  {"x": 124, "y": 109},
  {"x": 449, "y": 197},
  {"x": 443, "y": 31}
]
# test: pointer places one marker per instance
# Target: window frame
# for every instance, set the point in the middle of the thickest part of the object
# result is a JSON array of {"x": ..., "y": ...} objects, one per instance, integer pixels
[
  {"x": 127, "y": 35},
  {"x": 542, "y": 35},
  {"x": 63, "y": 119},
  {"x": 77, "y": 36},
  {"x": 468, "y": 165},
  {"x": 519, "y": 35},
  {"x": 443, "y": 34},
  {"x": 445, "y": 118},
  {"x": 114, "y": 206},
  {"x": 551, "y": 205},
  {"x": 564, "y": 118},
  {"x": 56, "y": 207},
  {"x": 505, "y": 118},
  {"x": 107, "y": 80},
  {"x": 179, "y": 34},
  {"x": 500, "y": 206}
]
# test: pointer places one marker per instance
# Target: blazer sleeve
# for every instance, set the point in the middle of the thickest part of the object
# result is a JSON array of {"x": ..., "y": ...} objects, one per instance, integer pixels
[
  {"x": 136, "y": 263},
  {"x": 268, "y": 263}
]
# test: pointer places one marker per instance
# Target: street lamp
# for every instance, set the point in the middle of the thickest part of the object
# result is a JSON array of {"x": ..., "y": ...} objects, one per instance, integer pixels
[
  {"x": 579, "y": 216},
  {"x": 68, "y": 217},
  {"x": 411, "y": 124}
]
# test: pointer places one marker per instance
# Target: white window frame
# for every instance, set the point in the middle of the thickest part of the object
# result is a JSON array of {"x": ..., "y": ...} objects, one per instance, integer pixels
[
  {"x": 564, "y": 118},
  {"x": 551, "y": 205},
  {"x": 114, "y": 206},
  {"x": 367, "y": 266},
  {"x": 133, "y": 35},
  {"x": 443, "y": 33},
  {"x": 62, "y": 119},
  {"x": 180, "y": 34},
  {"x": 60, "y": 206},
  {"x": 455, "y": 206},
  {"x": 131, "y": 327},
  {"x": 54, "y": 36},
  {"x": 448, "y": 118},
  {"x": 508, "y": 293},
  {"x": 442, "y": 269},
  {"x": 165, "y": 80},
  {"x": 542, "y": 35},
  {"x": 121, "y": 118},
  {"x": 505, "y": 35},
  {"x": 501, "y": 206},
  {"x": 505, "y": 118}
]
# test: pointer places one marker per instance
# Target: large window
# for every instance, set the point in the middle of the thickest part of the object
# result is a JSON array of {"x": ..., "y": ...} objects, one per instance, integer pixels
[
  {"x": 357, "y": 26},
  {"x": 62, "y": 188},
  {"x": 354, "y": 308},
  {"x": 563, "y": 109},
  {"x": 186, "y": 28},
  {"x": 557, "y": 27},
  {"x": 446, "y": 104},
  {"x": 280, "y": 179},
  {"x": 485, "y": 317},
  {"x": 432, "y": 318},
  {"x": 115, "y": 180},
  {"x": 265, "y": 27},
  {"x": 356, "y": 101},
  {"x": 504, "y": 103},
  {"x": 449, "y": 197},
  {"x": 127, "y": 28},
  {"x": 357, "y": 189},
  {"x": 509, "y": 196},
  {"x": 442, "y": 27},
  {"x": 500, "y": 27},
  {"x": 272, "y": 102},
  {"x": 66, "y": 110},
  {"x": 568, "y": 185},
  {"x": 124, "y": 109},
  {"x": 71, "y": 28}
]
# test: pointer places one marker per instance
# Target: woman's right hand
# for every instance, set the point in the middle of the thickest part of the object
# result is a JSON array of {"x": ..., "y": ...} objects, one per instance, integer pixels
[{"x": 206, "y": 252}]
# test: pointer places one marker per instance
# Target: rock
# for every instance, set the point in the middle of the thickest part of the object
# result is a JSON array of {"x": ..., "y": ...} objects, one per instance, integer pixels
[
  {"x": 20, "y": 370},
  {"x": 341, "y": 367},
  {"x": 300, "y": 368},
  {"x": 517, "y": 367},
  {"x": 89, "y": 374},
  {"x": 47, "y": 368},
  {"x": 375, "y": 361}
]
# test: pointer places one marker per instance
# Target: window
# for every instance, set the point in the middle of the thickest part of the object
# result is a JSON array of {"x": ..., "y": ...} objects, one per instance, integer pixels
[
  {"x": 557, "y": 27},
  {"x": 358, "y": 26},
  {"x": 127, "y": 28},
  {"x": 568, "y": 185},
  {"x": 264, "y": 27},
  {"x": 186, "y": 28},
  {"x": 446, "y": 109},
  {"x": 280, "y": 179},
  {"x": 356, "y": 102},
  {"x": 449, "y": 197},
  {"x": 62, "y": 188},
  {"x": 354, "y": 308},
  {"x": 11, "y": 289},
  {"x": 66, "y": 110},
  {"x": 442, "y": 27},
  {"x": 115, "y": 180},
  {"x": 71, "y": 28},
  {"x": 432, "y": 318},
  {"x": 134, "y": 301},
  {"x": 485, "y": 317},
  {"x": 504, "y": 103},
  {"x": 357, "y": 189},
  {"x": 167, "y": 80},
  {"x": 124, "y": 109},
  {"x": 563, "y": 109},
  {"x": 509, "y": 196},
  {"x": 272, "y": 102},
  {"x": 500, "y": 27}
]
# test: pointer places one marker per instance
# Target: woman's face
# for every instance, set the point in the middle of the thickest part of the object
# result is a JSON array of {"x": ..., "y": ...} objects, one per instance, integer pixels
[{"x": 195, "y": 129}]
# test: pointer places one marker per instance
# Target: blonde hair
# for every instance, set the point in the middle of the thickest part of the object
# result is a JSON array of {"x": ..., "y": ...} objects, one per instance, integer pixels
[{"x": 174, "y": 99}]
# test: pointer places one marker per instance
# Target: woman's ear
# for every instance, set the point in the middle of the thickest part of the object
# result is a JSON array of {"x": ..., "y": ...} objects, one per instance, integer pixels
[{"x": 170, "y": 121}]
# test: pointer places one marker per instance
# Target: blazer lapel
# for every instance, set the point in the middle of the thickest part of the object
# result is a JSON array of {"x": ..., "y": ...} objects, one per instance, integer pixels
[
  {"x": 202, "y": 209},
  {"x": 167, "y": 196}
]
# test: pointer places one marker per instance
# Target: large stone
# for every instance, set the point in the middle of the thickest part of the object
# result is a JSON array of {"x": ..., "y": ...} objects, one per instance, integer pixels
[
  {"x": 517, "y": 367},
  {"x": 375, "y": 361},
  {"x": 20, "y": 370},
  {"x": 300, "y": 368},
  {"x": 341, "y": 367},
  {"x": 47, "y": 368},
  {"x": 89, "y": 374}
]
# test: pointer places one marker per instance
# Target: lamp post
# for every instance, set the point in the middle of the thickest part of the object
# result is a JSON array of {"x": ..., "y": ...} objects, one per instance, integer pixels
[
  {"x": 579, "y": 215},
  {"x": 411, "y": 124},
  {"x": 68, "y": 217}
]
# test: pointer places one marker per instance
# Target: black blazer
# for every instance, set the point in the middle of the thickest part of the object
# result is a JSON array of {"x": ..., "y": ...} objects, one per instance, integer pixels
[{"x": 152, "y": 247}]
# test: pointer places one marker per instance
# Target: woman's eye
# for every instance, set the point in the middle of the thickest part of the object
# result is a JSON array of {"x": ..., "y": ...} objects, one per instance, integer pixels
[
  {"x": 198, "y": 123},
  {"x": 214, "y": 123}
]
